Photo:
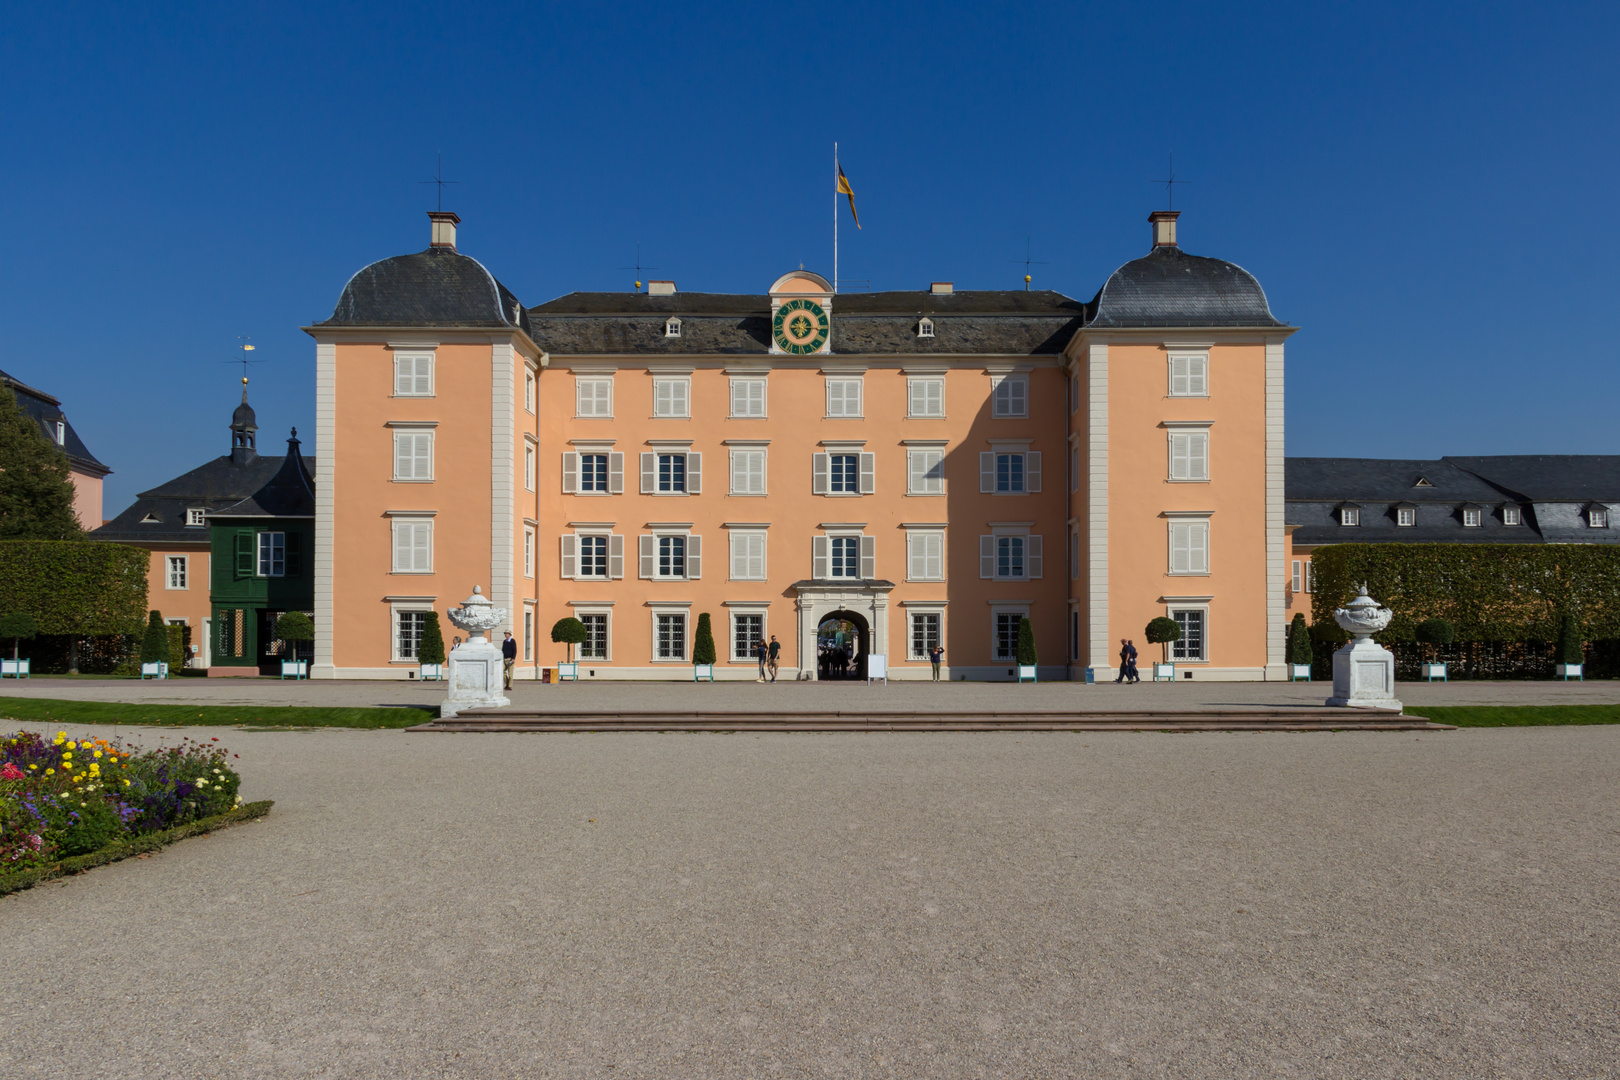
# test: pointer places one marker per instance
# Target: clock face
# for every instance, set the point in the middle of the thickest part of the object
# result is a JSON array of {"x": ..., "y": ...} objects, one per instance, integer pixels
[{"x": 800, "y": 327}]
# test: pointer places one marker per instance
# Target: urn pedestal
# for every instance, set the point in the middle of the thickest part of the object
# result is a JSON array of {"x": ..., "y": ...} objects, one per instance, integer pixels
[
  {"x": 475, "y": 665},
  {"x": 1363, "y": 670}
]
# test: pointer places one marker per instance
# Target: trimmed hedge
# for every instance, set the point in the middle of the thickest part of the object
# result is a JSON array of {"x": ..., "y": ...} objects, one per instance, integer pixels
[{"x": 83, "y": 588}]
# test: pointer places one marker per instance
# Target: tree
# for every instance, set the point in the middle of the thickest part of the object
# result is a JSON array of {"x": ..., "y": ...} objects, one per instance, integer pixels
[
  {"x": 1432, "y": 633},
  {"x": 703, "y": 644},
  {"x": 430, "y": 650},
  {"x": 1026, "y": 643},
  {"x": 1299, "y": 641},
  {"x": 1162, "y": 632},
  {"x": 295, "y": 626},
  {"x": 1569, "y": 640},
  {"x": 570, "y": 632},
  {"x": 36, "y": 496},
  {"x": 155, "y": 645},
  {"x": 17, "y": 625}
]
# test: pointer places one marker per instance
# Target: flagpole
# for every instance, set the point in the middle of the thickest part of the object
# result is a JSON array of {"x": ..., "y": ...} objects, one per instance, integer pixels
[{"x": 835, "y": 217}]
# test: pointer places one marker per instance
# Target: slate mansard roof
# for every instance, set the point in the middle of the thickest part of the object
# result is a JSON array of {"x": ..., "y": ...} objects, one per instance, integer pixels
[
  {"x": 438, "y": 287},
  {"x": 1168, "y": 287},
  {"x": 47, "y": 411}
]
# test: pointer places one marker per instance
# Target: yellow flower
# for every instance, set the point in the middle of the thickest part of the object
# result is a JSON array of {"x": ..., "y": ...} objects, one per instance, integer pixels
[
  {"x": 126, "y": 783},
  {"x": 73, "y": 746},
  {"x": 33, "y": 766},
  {"x": 50, "y": 772},
  {"x": 98, "y": 753}
]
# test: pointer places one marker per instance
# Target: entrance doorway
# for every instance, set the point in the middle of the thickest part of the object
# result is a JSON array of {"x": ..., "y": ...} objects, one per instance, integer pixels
[{"x": 842, "y": 642}]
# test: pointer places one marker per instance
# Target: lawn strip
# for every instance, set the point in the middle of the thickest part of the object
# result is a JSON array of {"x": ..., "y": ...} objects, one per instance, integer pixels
[
  {"x": 1518, "y": 715},
  {"x": 137, "y": 845},
  {"x": 61, "y": 711}
]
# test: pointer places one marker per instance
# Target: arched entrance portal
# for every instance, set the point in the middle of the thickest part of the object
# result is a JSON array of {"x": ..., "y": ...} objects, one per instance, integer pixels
[{"x": 843, "y": 640}]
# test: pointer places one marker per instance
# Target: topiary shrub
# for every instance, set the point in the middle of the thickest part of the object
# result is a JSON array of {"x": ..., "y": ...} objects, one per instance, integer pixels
[
  {"x": 430, "y": 650},
  {"x": 570, "y": 632},
  {"x": 155, "y": 645},
  {"x": 703, "y": 645},
  {"x": 1026, "y": 643},
  {"x": 1432, "y": 634},
  {"x": 1161, "y": 632},
  {"x": 1299, "y": 641},
  {"x": 295, "y": 626},
  {"x": 17, "y": 625},
  {"x": 1570, "y": 649}
]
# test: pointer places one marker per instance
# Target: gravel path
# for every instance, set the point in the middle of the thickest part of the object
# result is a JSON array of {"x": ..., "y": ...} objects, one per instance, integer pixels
[{"x": 852, "y": 906}]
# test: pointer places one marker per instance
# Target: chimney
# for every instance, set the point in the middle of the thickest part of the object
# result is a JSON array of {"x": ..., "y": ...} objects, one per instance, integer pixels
[
  {"x": 941, "y": 288},
  {"x": 660, "y": 288},
  {"x": 1164, "y": 227},
  {"x": 444, "y": 228}
]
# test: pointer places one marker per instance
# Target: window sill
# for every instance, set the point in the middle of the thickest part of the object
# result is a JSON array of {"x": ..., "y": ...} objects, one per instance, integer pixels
[
  {"x": 1186, "y": 480},
  {"x": 1187, "y": 573},
  {"x": 925, "y": 494},
  {"x": 592, "y": 494},
  {"x": 591, "y": 416},
  {"x": 747, "y": 494},
  {"x": 403, "y": 480},
  {"x": 418, "y": 397},
  {"x": 410, "y": 573}
]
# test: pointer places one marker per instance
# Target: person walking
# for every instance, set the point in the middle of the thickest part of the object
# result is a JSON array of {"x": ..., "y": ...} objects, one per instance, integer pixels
[
  {"x": 936, "y": 654},
  {"x": 508, "y": 659},
  {"x": 1130, "y": 661},
  {"x": 761, "y": 654},
  {"x": 772, "y": 655},
  {"x": 1124, "y": 661}
]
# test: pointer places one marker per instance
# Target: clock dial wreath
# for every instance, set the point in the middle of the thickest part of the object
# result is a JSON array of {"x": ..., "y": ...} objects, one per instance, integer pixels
[{"x": 800, "y": 327}]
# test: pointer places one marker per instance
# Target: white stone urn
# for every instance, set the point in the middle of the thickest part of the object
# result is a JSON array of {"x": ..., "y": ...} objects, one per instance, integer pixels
[
  {"x": 1363, "y": 670},
  {"x": 475, "y": 664}
]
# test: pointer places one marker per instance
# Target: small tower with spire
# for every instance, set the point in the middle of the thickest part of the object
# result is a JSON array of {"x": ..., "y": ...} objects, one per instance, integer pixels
[{"x": 244, "y": 429}]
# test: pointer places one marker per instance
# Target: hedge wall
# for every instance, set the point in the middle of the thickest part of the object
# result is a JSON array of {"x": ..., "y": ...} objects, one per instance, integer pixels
[
  {"x": 75, "y": 587},
  {"x": 1489, "y": 592}
]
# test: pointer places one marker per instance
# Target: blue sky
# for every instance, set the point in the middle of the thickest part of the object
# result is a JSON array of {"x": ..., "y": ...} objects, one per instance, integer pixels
[{"x": 1426, "y": 190}]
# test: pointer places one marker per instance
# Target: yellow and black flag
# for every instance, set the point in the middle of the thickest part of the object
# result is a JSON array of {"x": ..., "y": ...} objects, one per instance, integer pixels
[{"x": 845, "y": 189}]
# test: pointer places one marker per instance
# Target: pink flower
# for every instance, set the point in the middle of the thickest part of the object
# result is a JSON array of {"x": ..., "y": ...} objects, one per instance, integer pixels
[{"x": 11, "y": 772}]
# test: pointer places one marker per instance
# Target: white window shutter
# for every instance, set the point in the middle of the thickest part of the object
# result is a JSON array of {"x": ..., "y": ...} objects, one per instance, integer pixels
[
  {"x": 868, "y": 473},
  {"x": 739, "y": 398},
  {"x": 402, "y": 456},
  {"x": 649, "y": 475},
  {"x": 1032, "y": 471},
  {"x": 739, "y": 550},
  {"x": 1198, "y": 543},
  {"x": 402, "y": 375},
  {"x": 582, "y": 398},
  {"x": 402, "y": 547},
  {"x": 1180, "y": 548},
  {"x": 987, "y": 556},
  {"x": 1198, "y": 456},
  {"x": 615, "y": 556},
  {"x": 1197, "y": 374},
  {"x": 570, "y": 472},
  {"x": 916, "y": 471},
  {"x": 648, "y": 545},
  {"x": 918, "y": 405},
  {"x": 756, "y": 558},
  {"x": 570, "y": 555},
  {"x": 821, "y": 467},
  {"x": 422, "y": 546},
  {"x": 819, "y": 558},
  {"x": 661, "y": 397},
  {"x": 756, "y": 475},
  {"x": 1178, "y": 375},
  {"x": 694, "y": 474},
  {"x": 1178, "y": 456},
  {"x": 936, "y": 556},
  {"x": 868, "y": 557},
  {"x": 694, "y": 557},
  {"x": 1018, "y": 396},
  {"x": 739, "y": 470},
  {"x": 1032, "y": 557},
  {"x": 987, "y": 471},
  {"x": 616, "y": 474},
  {"x": 683, "y": 397},
  {"x": 913, "y": 560}
]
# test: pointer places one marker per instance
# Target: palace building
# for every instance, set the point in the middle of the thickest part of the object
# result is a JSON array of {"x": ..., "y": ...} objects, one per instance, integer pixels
[{"x": 909, "y": 467}]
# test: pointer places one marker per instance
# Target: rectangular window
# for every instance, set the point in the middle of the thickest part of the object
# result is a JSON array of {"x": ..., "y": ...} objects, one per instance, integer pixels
[
  {"x": 924, "y": 633},
  {"x": 1009, "y": 472},
  {"x": 1189, "y": 547},
  {"x": 1007, "y": 634},
  {"x": 747, "y": 556},
  {"x": 528, "y": 553},
  {"x": 748, "y": 472},
  {"x": 846, "y": 557},
  {"x": 528, "y": 391},
  {"x": 672, "y": 556},
  {"x": 925, "y": 397},
  {"x": 671, "y": 635},
  {"x": 672, "y": 472},
  {"x": 747, "y": 398},
  {"x": 61, "y": 433},
  {"x": 844, "y": 474},
  {"x": 1297, "y": 580},
  {"x": 747, "y": 631},
  {"x": 1189, "y": 455},
  {"x": 593, "y": 556},
  {"x": 413, "y": 455},
  {"x": 925, "y": 472},
  {"x": 844, "y": 397},
  {"x": 593, "y": 472},
  {"x": 1009, "y": 556},
  {"x": 1471, "y": 517},
  {"x": 413, "y": 546},
  {"x": 925, "y": 555},
  {"x": 595, "y": 645},
  {"x": 1189, "y": 375},
  {"x": 593, "y": 397},
  {"x": 1310, "y": 577},
  {"x": 413, "y": 374},
  {"x": 1010, "y": 396},
  {"x": 1349, "y": 515},
  {"x": 272, "y": 554},
  {"x": 1511, "y": 516},
  {"x": 408, "y": 634},
  {"x": 1406, "y": 516},
  {"x": 1191, "y": 645},
  {"x": 194, "y": 516},
  {"x": 528, "y": 635},
  {"x": 178, "y": 572},
  {"x": 528, "y": 466},
  {"x": 672, "y": 397},
  {"x": 1597, "y": 518}
]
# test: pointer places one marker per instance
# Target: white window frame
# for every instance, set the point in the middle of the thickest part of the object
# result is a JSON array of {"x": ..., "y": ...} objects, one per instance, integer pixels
[
  {"x": 913, "y": 613},
  {"x": 744, "y": 456},
  {"x": 420, "y": 463},
  {"x": 821, "y": 555},
  {"x": 672, "y": 327},
  {"x": 606, "y": 614},
  {"x": 183, "y": 562},
  {"x": 1597, "y": 517},
  {"x": 746, "y": 384},
  {"x": 821, "y": 471},
  {"x": 672, "y": 397},
  {"x": 1009, "y": 397},
  {"x": 1189, "y": 455},
  {"x": 1192, "y": 380},
  {"x": 420, "y": 385},
  {"x": 990, "y": 471},
  {"x": 530, "y": 392},
  {"x": 739, "y": 612},
  {"x": 196, "y": 516},
  {"x": 528, "y": 551},
  {"x": 648, "y": 557},
  {"x": 1197, "y": 535},
  {"x": 530, "y": 451},
  {"x": 1406, "y": 517},
  {"x": 395, "y": 610},
  {"x": 572, "y": 562},
  {"x": 528, "y": 630},
  {"x": 1202, "y": 609},
  {"x": 1018, "y": 611},
  {"x": 738, "y": 543},
  {"x": 1473, "y": 517},
  {"x": 1349, "y": 517},
  {"x": 920, "y": 389},
  {"x": 691, "y": 472},
  {"x": 661, "y": 611},
  {"x": 925, "y": 328},
  {"x": 844, "y": 410},
  {"x": 925, "y": 470},
  {"x": 573, "y": 470},
  {"x": 588, "y": 399},
  {"x": 395, "y": 523},
  {"x": 918, "y": 541},
  {"x": 271, "y": 538},
  {"x": 1032, "y": 555},
  {"x": 1512, "y": 515},
  {"x": 61, "y": 433}
]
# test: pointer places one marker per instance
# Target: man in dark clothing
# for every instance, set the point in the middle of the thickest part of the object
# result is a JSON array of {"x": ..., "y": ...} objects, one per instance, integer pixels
[
  {"x": 1130, "y": 661},
  {"x": 508, "y": 659},
  {"x": 772, "y": 655},
  {"x": 761, "y": 654},
  {"x": 935, "y": 655},
  {"x": 1124, "y": 660}
]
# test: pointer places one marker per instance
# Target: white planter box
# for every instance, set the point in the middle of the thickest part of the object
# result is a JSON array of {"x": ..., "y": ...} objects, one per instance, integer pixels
[
  {"x": 430, "y": 672},
  {"x": 877, "y": 667},
  {"x": 295, "y": 669},
  {"x": 1164, "y": 671},
  {"x": 702, "y": 671},
  {"x": 15, "y": 669},
  {"x": 1299, "y": 671},
  {"x": 155, "y": 671},
  {"x": 568, "y": 671},
  {"x": 1434, "y": 671},
  {"x": 1026, "y": 672},
  {"x": 1570, "y": 671}
]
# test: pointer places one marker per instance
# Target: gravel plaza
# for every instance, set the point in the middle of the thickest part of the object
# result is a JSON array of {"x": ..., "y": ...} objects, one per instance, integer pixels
[{"x": 884, "y": 905}]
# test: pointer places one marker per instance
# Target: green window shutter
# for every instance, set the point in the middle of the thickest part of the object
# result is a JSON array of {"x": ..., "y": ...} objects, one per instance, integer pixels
[
  {"x": 244, "y": 555},
  {"x": 295, "y": 554}
]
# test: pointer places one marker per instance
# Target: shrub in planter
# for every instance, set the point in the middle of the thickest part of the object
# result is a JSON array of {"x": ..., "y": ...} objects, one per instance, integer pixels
[
  {"x": 17, "y": 625},
  {"x": 703, "y": 651},
  {"x": 1026, "y": 643},
  {"x": 155, "y": 645},
  {"x": 1434, "y": 633},
  {"x": 295, "y": 626},
  {"x": 430, "y": 650},
  {"x": 1299, "y": 641},
  {"x": 1161, "y": 632},
  {"x": 569, "y": 632},
  {"x": 1570, "y": 650}
]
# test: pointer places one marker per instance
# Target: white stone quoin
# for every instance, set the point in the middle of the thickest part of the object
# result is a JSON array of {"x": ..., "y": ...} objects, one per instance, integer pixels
[
  {"x": 1363, "y": 670},
  {"x": 475, "y": 664}
]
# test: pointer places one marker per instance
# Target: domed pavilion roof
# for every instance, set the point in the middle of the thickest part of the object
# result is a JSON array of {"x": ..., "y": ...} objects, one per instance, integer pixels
[
  {"x": 436, "y": 287},
  {"x": 1168, "y": 287}
]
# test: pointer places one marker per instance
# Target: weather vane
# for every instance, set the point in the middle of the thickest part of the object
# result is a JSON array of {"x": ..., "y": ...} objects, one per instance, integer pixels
[
  {"x": 440, "y": 180},
  {"x": 1170, "y": 183},
  {"x": 638, "y": 268},
  {"x": 1028, "y": 262},
  {"x": 246, "y": 347}
]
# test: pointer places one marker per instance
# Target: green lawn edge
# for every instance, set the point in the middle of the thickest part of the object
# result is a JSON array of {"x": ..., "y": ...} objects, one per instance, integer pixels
[
  {"x": 1518, "y": 715},
  {"x": 64, "y": 711},
  {"x": 27, "y": 879}
]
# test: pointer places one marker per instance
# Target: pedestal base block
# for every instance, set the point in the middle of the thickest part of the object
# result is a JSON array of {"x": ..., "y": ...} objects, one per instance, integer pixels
[
  {"x": 475, "y": 678},
  {"x": 1364, "y": 676}
]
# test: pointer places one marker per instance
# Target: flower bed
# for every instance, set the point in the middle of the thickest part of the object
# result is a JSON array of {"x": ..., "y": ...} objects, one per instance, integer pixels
[{"x": 61, "y": 798}]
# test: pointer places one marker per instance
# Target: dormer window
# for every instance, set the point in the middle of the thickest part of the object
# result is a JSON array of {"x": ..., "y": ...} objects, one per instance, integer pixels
[
  {"x": 61, "y": 433},
  {"x": 1597, "y": 517},
  {"x": 925, "y": 327},
  {"x": 1406, "y": 516},
  {"x": 152, "y": 518},
  {"x": 1472, "y": 517},
  {"x": 1423, "y": 481},
  {"x": 1349, "y": 515},
  {"x": 1512, "y": 515},
  {"x": 672, "y": 328},
  {"x": 194, "y": 515}
]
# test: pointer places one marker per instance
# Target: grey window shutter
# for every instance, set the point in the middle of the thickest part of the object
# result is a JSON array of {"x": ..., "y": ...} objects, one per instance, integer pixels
[
  {"x": 616, "y": 475},
  {"x": 570, "y": 555},
  {"x": 820, "y": 467},
  {"x": 649, "y": 554},
  {"x": 987, "y": 556},
  {"x": 649, "y": 476},
  {"x": 615, "y": 556},
  {"x": 1032, "y": 471},
  {"x": 694, "y": 475},
  {"x": 987, "y": 471},
  {"x": 912, "y": 543},
  {"x": 819, "y": 558},
  {"x": 868, "y": 557},
  {"x": 1032, "y": 557},
  {"x": 868, "y": 473},
  {"x": 570, "y": 472},
  {"x": 694, "y": 557}
]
